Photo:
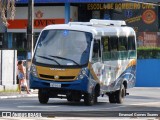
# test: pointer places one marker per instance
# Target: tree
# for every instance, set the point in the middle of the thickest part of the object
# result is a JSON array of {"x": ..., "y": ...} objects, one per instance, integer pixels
[{"x": 7, "y": 7}]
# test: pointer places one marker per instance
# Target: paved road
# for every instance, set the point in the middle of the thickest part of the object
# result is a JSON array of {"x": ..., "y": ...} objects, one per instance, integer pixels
[{"x": 140, "y": 102}]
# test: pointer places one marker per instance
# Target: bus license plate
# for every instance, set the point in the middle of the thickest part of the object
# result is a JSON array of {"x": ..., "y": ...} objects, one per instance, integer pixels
[{"x": 55, "y": 85}]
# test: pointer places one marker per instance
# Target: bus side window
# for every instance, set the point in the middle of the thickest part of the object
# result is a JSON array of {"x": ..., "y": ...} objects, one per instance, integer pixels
[
  {"x": 95, "y": 47},
  {"x": 131, "y": 43},
  {"x": 106, "y": 48},
  {"x": 96, "y": 50},
  {"x": 122, "y": 45},
  {"x": 113, "y": 43}
]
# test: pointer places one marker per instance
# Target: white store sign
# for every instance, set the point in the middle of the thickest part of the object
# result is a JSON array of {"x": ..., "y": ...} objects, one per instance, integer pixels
[{"x": 43, "y": 16}]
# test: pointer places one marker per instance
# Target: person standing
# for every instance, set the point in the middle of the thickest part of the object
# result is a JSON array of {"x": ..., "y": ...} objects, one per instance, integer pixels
[{"x": 21, "y": 77}]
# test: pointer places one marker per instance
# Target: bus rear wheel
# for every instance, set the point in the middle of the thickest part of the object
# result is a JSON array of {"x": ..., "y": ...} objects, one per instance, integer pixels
[
  {"x": 43, "y": 96},
  {"x": 112, "y": 97},
  {"x": 117, "y": 96},
  {"x": 120, "y": 94}
]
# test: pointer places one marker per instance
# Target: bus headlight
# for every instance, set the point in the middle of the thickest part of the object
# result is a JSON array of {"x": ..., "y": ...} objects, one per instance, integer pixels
[
  {"x": 34, "y": 70},
  {"x": 81, "y": 76},
  {"x": 82, "y": 73}
]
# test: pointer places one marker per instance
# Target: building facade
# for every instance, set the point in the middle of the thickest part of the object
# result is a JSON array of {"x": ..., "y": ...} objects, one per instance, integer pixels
[{"x": 143, "y": 18}]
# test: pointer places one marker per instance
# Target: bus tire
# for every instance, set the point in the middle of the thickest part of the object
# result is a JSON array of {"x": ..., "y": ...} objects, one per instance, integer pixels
[
  {"x": 120, "y": 94},
  {"x": 95, "y": 99},
  {"x": 69, "y": 98},
  {"x": 89, "y": 98},
  {"x": 77, "y": 98},
  {"x": 74, "y": 96},
  {"x": 112, "y": 97},
  {"x": 43, "y": 96}
]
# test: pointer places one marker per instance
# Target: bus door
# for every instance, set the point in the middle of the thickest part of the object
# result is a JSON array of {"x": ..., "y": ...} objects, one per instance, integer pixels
[
  {"x": 97, "y": 59},
  {"x": 109, "y": 59}
]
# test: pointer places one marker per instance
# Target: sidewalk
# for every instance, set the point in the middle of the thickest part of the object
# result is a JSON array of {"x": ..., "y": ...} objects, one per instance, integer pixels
[{"x": 5, "y": 95}]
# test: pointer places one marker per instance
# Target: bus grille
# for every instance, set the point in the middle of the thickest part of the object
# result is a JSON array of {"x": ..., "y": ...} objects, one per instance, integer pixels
[{"x": 53, "y": 77}]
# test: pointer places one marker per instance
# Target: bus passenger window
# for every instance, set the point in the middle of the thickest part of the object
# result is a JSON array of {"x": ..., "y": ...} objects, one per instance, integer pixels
[
  {"x": 106, "y": 51},
  {"x": 96, "y": 50},
  {"x": 122, "y": 45},
  {"x": 113, "y": 43},
  {"x": 131, "y": 43},
  {"x": 105, "y": 44}
]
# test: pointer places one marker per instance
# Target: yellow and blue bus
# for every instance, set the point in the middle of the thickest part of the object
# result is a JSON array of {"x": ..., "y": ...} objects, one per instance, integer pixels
[{"x": 83, "y": 60}]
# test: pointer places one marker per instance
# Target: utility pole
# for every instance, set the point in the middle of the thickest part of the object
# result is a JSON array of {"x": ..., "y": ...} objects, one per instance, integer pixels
[
  {"x": 30, "y": 35},
  {"x": 30, "y": 27}
]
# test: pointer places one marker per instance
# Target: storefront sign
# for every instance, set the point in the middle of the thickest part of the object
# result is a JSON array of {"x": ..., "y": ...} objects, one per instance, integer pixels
[
  {"x": 142, "y": 17},
  {"x": 150, "y": 39},
  {"x": 96, "y": 14},
  {"x": 38, "y": 23},
  {"x": 105, "y": 6},
  {"x": 149, "y": 16},
  {"x": 43, "y": 16}
]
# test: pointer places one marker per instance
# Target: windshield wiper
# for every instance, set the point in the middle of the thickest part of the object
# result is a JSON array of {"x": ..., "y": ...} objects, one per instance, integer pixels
[
  {"x": 48, "y": 59},
  {"x": 65, "y": 59}
]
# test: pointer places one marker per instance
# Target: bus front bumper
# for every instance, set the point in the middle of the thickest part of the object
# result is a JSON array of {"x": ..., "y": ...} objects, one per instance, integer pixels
[{"x": 37, "y": 83}]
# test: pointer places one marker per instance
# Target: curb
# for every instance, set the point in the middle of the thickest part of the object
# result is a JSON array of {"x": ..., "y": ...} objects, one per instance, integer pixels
[{"x": 18, "y": 96}]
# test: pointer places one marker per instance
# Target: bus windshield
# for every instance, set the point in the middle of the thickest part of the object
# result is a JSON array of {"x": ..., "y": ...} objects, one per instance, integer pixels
[{"x": 63, "y": 48}]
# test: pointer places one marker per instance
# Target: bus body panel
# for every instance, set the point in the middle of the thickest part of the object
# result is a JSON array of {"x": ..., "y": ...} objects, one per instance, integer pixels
[
  {"x": 86, "y": 84},
  {"x": 112, "y": 75},
  {"x": 37, "y": 83},
  {"x": 57, "y": 74}
]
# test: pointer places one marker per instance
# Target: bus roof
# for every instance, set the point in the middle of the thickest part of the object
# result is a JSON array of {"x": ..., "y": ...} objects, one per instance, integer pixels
[{"x": 96, "y": 30}]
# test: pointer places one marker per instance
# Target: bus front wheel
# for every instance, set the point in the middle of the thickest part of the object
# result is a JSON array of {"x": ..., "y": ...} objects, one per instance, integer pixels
[
  {"x": 89, "y": 98},
  {"x": 43, "y": 96},
  {"x": 69, "y": 98},
  {"x": 74, "y": 96}
]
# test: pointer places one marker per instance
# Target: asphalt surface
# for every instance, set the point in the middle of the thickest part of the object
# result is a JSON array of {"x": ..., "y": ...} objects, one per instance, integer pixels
[{"x": 140, "y": 99}]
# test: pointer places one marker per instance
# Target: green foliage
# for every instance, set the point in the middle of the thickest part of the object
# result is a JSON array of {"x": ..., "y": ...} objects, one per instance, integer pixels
[{"x": 148, "y": 53}]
